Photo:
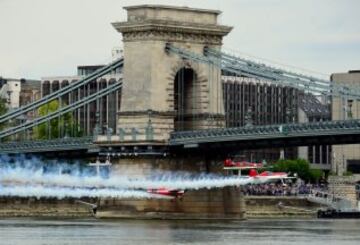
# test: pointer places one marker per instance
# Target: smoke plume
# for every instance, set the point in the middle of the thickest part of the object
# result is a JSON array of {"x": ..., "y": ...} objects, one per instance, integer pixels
[{"x": 30, "y": 176}]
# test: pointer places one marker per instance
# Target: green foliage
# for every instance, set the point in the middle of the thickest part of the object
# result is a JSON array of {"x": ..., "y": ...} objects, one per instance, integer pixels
[
  {"x": 299, "y": 166},
  {"x": 3, "y": 110},
  {"x": 316, "y": 175},
  {"x": 57, "y": 127}
]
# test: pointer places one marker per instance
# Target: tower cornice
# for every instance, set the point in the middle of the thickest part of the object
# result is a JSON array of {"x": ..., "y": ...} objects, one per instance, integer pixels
[{"x": 171, "y": 26}]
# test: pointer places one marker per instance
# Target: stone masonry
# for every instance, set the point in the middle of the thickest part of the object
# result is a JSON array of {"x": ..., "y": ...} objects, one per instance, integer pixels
[{"x": 149, "y": 72}]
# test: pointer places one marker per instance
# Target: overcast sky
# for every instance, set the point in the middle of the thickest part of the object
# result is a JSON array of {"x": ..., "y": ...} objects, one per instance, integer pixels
[{"x": 51, "y": 37}]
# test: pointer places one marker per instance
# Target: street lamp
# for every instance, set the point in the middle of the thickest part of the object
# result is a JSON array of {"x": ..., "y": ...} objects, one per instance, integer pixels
[
  {"x": 248, "y": 118},
  {"x": 22, "y": 119}
]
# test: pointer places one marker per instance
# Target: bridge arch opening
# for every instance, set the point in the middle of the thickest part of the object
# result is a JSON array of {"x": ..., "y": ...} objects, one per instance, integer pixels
[{"x": 185, "y": 98}]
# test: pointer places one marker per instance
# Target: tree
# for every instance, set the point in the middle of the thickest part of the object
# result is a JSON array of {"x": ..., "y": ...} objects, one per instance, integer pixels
[
  {"x": 64, "y": 125},
  {"x": 3, "y": 107},
  {"x": 316, "y": 175},
  {"x": 299, "y": 166},
  {"x": 3, "y": 110}
]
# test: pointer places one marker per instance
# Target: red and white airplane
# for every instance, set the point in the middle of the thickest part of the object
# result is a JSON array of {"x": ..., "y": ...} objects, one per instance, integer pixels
[
  {"x": 171, "y": 193},
  {"x": 268, "y": 176},
  {"x": 231, "y": 165},
  {"x": 263, "y": 177}
]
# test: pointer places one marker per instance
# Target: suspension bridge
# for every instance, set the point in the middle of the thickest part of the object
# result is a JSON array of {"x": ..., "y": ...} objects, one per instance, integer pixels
[{"x": 172, "y": 98}]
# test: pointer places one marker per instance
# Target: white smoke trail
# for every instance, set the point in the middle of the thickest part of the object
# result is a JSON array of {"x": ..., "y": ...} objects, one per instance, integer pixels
[
  {"x": 61, "y": 192},
  {"x": 33, "y": 177},
  {"x": 176, "y": 181}
]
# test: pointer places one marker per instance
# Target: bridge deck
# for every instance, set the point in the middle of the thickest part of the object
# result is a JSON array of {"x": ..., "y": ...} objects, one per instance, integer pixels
[{"x": 284, "y": 135}]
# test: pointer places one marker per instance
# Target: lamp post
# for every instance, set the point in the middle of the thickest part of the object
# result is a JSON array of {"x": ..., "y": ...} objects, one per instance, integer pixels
[
  {"x": 96, "y": 128},
  {"x": 149, "y": 131},
  {"x": 66, "y": 130},
  {"x": 248, "y": 118},
  {"x": 22, "y": 119}
]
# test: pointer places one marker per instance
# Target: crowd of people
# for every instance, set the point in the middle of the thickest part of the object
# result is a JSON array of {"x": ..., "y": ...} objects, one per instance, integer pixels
[{"x": 281, "y": 189}]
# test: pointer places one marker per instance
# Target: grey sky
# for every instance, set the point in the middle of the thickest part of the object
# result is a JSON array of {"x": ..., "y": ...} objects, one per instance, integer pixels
[{"x": 51, "y": 37}]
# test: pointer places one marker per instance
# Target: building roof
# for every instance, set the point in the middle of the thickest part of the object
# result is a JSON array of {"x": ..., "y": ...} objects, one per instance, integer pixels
[
  {"x": 159, "y": 6},
  {"x": 90, "y": 66}
]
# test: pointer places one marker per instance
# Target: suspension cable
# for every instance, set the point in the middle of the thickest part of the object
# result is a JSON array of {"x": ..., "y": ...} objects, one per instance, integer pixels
[
  {"x": 61, "y": 92},
  {"x": 239, "y": 66},
  {"x": 61, "y": 111}
]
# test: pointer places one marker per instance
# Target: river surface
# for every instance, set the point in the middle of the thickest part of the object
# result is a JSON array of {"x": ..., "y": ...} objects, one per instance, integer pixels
[{"x": 35, "y": 231}]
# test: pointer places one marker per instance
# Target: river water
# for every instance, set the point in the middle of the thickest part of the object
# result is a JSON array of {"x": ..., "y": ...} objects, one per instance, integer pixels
[{"x": 92, "y": 231}]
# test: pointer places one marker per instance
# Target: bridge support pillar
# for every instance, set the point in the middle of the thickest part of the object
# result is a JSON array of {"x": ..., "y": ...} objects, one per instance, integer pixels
[
  {"x": 180, "y": 94},
  {"x": 200, "y": 203}
]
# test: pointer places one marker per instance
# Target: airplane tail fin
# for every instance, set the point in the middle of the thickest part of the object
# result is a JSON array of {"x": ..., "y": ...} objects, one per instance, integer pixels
[
  {"x": 228, "y": 162},
  {"x": 253, "y": 173}
]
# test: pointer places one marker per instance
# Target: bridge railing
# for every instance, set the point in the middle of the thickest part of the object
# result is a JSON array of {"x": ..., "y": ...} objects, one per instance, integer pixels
[
  {"x": 330, "y": 200},
  {"x": 279, "y": 129},
  {"x": 29, "y": 146},
  {"x": 131, "y": 135}
]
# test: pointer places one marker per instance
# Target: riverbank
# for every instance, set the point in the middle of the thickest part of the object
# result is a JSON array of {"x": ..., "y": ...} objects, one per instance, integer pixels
[
  {"x": 260, "y": 207},
  {"x": 43, "y": 207},
  {"x": 203, "y": 205}
]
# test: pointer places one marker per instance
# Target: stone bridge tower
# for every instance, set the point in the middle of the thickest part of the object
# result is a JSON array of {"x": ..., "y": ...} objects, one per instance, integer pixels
[{"x": 163, "y": 90}]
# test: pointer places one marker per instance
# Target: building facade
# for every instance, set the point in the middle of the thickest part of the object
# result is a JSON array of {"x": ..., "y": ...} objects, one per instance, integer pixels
[
  {"x": 250, "y": 101},
  {"x": 346, "y": 157},
  {"x": 19, "y": 92},
  {"x": 101, "y": 112},
  {"x": 314, "y": 108}
]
